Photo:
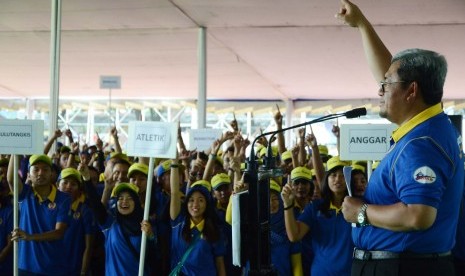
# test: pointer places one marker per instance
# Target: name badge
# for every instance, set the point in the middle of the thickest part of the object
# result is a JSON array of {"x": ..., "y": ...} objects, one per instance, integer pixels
[{"x": 52, "y": 205}]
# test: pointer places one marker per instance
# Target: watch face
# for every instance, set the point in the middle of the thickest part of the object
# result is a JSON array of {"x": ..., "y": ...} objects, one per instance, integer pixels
[{"x": 361, "y": 218}]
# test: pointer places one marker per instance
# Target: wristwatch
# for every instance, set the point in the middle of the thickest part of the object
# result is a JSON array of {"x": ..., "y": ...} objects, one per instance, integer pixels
[{"x": 362, "y": 215}]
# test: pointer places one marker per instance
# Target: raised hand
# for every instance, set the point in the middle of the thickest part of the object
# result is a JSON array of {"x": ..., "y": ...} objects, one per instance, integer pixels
[
  {"x": 288, "y": 195},
  {"x": 278, "y": 118},
  {"x": 84, "y": 170},
  {"x": 234, "y": 125},
  {"x": 350, "y": 14},
  {"x": 57, "y": 134},
  {"x": 311, "y": 140}
]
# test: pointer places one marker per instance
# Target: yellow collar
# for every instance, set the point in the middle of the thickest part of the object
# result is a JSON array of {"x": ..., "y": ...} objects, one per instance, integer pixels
[
  {"x": 333, "y": 207},
  {"x": 219, "y": 207},
  {"x": 198, "y": 226},
  {"x": 418, "y": 119},
  {"x": 76, "y": 203},
  {"x": 51, "y": 196}
]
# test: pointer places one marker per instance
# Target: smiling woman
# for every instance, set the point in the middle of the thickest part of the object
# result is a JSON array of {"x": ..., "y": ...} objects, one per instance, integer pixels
[
  {"x": 198, "y": 247},
  {"x": 123, "y": 230}
]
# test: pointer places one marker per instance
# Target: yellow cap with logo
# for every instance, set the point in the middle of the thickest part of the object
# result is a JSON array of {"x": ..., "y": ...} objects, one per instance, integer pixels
[
  {"x": 220, "y": 179},
  {"x": 301, "y": 173}
]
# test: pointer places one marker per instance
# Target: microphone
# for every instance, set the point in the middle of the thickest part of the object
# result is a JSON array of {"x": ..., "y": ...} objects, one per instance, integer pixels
[
  {"x": 354, "y": 113},
  {"x": 357, "y": 112}
]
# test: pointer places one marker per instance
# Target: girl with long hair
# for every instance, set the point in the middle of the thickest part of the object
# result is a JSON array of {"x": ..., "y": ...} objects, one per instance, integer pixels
[
  {"x": 323, "y": 220},
  {"x": 197, "y": 246}
]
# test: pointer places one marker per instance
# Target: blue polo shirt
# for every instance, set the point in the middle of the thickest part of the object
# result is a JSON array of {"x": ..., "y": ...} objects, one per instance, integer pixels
[
  {"x": 281, "y": 248},
  {"x": 82, "y": 223},
  {"x": 6, "y": 226},
  {"x": 201, "y": 260},
  {"x": 306, "y": 242},
  {"x": 37, "y": 215},
  {"x": 119, "y": 257},
  {"x": 423, "y": 166},
  {"x": 331, "y": 240}
]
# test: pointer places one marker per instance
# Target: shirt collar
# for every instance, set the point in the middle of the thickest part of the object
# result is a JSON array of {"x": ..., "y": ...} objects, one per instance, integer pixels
[
  {"x": 418, "y": 119},
  {"x": 198, "y": 226},
  {"x": 76, "y": 203},
  {"x": 219, "y": 207},
  {"x": 333, "y": 207},
  {"x": 51, "y": 197}
]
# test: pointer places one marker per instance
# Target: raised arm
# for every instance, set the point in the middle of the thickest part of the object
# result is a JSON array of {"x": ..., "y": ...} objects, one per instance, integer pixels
[
  {"x": 376, "y": 53},
  {"x": 295, "y": 230},
  {"x": 302, "y": 152},
  {"x": 51, "y": 140},
  {"x": 207, "y": 174},
  {"x": 278, "y": 119},
  {"x": 114, "y": 134},
  {"x": 316, "y": 158},
  {"x": 69, "y": 134},
  {"x": 72, "y": 155},
  {"x": 93, "y": 198},
  {"x": 182, "y": 146}
]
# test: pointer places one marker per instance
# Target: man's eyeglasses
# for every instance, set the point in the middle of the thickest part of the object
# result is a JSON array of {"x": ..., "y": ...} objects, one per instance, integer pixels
[{"x": 383, "y": 83}]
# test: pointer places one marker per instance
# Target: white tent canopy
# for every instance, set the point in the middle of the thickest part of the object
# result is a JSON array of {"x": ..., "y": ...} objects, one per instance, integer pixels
[{"x": 256, "y": 49}]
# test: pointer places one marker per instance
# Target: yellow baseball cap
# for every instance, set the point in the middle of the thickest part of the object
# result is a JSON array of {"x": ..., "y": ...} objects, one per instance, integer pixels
[
  {"x": 358, "y": 168},
  {"x": 301, "y": 173},
  {"x": 220, "y": 179},
  {"x": 36, "y": 158},
  {"x": 274, "y": 151},
  {"x": 71, "y": 172},
  {"x": 203, "y": 183},
  {"x": 124, "y": 186},
  {"x": 323, "y": 149},
  {"x": 121, "y": 156},
  {"x": 275, "y": 186},
  {"x": 166, "y": 166},
  {"x": 334, "y": 162},
  {"x": 359, "y": 162},
  {"x": 138, "y": 167},
  {"x": 286, "y": 155},
  {"x": 375, "y": 165},
  {"x": 64, "y": 149}
]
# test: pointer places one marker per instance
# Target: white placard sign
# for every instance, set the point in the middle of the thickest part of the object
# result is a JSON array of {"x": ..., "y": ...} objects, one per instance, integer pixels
[
  {"x": 152, "y": 139},
  {"x": 22, "y": 136},
  {"x": 365, "y": 142},
  {"x": 110, "y": 82},
  {"x": 202, "y": 139}
]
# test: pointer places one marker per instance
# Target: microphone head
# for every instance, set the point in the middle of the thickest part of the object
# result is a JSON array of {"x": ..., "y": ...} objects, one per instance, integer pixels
[{"x": 357, "y": 112}]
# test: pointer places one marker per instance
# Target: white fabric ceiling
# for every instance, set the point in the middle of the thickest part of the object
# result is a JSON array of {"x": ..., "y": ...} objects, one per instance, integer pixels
[{"x": 257, "y": 49}]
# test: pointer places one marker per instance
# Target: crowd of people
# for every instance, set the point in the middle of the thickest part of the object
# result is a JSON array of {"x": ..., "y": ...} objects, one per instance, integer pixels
[{"x": 81, "y": 207}]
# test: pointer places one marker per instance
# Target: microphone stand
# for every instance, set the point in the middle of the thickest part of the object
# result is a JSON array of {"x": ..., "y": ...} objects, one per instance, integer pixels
[{"x": 257, "y": 213}]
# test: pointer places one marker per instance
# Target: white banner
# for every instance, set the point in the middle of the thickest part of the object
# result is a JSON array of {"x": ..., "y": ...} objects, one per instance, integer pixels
[
  {"x": 365, "y": 142},
  {"x": 152, "y": 139},
  {"x": 202, "y": 139},
  {"x": 22, "y": 137}
]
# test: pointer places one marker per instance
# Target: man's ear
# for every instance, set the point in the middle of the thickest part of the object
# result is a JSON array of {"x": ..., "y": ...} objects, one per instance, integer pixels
[{"x": 413, "y": 92}]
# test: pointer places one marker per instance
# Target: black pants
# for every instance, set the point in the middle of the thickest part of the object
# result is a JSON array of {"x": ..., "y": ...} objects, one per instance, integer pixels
[
  {"x": 459, "y": 267},
  {"x": 441, "y": 266}
]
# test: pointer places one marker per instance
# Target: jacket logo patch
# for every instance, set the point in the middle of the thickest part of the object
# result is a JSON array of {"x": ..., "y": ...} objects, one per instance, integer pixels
[{"x": 424, "y": 175}]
